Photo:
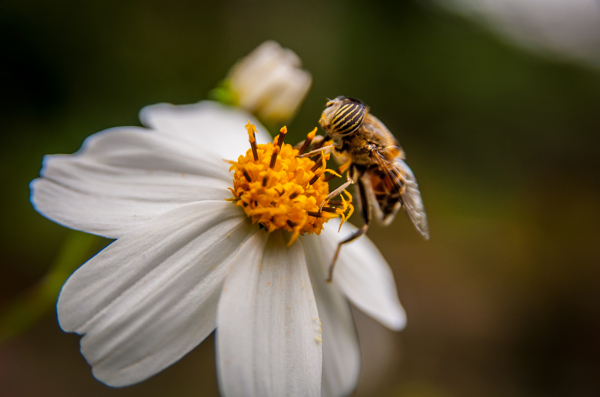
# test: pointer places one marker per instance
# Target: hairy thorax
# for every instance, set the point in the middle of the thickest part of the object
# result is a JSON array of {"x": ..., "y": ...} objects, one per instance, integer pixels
[{"x": 372, "y": 137}]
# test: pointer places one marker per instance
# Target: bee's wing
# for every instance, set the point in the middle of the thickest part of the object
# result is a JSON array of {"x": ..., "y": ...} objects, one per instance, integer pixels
[{"x": 411, "y": 199}]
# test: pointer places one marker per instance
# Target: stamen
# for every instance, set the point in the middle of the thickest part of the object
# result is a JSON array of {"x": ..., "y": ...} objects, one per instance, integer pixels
[
  {"x": 336, "y": 202},
  {"x": 281, "y": 136},
  {"x": 274, "y": 157},
  {"x": 280, "y": 190},
  {"x": 251, "y": 131},
  {"x": 347, "y": 205},
  {"x": 317, "y": 164},
  {"x": 314, "y": 179},
  {"x": 340, "y": 170},
  {"x": 308, "y": 141},
  {"x": 248, "y": 178}
]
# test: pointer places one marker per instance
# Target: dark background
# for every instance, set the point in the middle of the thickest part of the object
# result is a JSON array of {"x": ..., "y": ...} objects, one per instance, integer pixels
[{"x": 502, "y": 301}]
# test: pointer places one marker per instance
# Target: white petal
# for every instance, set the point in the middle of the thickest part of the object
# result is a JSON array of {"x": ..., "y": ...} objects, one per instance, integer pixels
[
  {"x": 284, "y": 99},
  {"x": 151, "y": 296},
  {"x": 341, "y": 352},
  {"x": 207, "y": 124},
  {"x": 270, "y": 83},
  {"x": 123, "y": 177},
  {"x": 268, "y": 335},
  {"x": 364, "y": 276}
]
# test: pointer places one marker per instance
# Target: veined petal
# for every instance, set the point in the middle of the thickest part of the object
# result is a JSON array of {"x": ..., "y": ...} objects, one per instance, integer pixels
[
  {"x": 364, "y": 276},
  {"x": 341, "y": 351},
  {"x": 151, "y": 296},
  {"x": 269, "y": 335},
  {"x": 123, "y": 177},
  {"x": 206, "y": 124}
]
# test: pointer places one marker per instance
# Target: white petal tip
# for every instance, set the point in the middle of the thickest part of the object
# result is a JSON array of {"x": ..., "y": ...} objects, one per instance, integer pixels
[{"x": 397, "y": 324}]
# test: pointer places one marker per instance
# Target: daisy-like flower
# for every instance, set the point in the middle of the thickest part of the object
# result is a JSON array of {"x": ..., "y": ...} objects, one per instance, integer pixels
[{"x": 195, "y": 252}]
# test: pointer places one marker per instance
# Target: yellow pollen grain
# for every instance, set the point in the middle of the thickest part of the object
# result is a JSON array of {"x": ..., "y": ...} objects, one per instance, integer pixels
[{"x": 278, "y": 196}]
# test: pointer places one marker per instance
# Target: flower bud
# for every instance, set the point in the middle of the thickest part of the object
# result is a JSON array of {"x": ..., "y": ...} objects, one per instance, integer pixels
[{"x": 270, "y": 83}]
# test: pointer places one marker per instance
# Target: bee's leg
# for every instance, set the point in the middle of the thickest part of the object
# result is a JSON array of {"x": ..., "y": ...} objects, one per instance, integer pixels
[
  {"x": 318, "y": 144},
  {"x": 335, "y": 193},
  {"x": 366, "y": 213},
  {"x": 324, "y": 150},
  {"x": 338, "y": 190}
]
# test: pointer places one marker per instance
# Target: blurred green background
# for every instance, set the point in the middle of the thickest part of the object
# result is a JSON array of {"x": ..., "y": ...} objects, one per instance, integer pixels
[{"x": 502, "y": 301}]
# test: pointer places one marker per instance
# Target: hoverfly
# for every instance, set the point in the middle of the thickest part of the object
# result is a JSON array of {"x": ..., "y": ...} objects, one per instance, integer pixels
[{"x": 374, "y": 161}]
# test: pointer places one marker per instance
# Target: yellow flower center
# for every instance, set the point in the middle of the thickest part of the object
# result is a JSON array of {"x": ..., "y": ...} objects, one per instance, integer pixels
[{"x": 282, "y": 191}]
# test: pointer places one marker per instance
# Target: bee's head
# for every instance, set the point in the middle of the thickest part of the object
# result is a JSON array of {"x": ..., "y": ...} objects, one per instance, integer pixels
[{"x": 342, "y": 116}]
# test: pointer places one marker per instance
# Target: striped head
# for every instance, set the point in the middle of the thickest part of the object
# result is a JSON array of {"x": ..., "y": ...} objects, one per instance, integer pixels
[{"x": 342, "y": 116}]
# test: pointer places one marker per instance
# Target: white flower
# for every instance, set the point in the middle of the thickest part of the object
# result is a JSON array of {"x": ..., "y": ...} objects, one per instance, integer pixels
[
  {"x": 186, "y": 261},
  {"x": 567, "y": 28},
  {"x": 270, "y": 83}
]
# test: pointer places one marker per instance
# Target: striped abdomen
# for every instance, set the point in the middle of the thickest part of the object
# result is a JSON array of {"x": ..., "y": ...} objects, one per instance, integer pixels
[{"x": 348, "y": 118}]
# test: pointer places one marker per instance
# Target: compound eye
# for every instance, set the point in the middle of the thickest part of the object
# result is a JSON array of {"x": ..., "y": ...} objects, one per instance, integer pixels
[{"x": 348, "y": 118}]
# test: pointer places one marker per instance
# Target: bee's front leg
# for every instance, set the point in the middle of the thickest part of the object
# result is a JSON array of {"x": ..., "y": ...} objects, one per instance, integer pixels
[
  {"x": 366, "y": 213},
  {"x": 322, "y": 150},
  {"x": 337, "y": 191}
]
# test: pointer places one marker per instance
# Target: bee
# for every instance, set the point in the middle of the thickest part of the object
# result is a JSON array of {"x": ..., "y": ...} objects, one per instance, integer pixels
[{"x": 375, "y": 162}]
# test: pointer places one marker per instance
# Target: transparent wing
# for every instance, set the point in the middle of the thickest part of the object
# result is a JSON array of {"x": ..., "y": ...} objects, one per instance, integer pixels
[{"x": 411, "y": 199}]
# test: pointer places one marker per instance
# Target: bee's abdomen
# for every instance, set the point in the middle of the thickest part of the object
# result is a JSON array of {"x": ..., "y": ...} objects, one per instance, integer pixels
[
  {"x": 386, "y": 194},
  {"x": 348, "y": 118}
]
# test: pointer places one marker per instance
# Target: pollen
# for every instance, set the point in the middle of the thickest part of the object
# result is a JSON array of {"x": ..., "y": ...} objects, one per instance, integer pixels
[{"x": 281, "y": 191}]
